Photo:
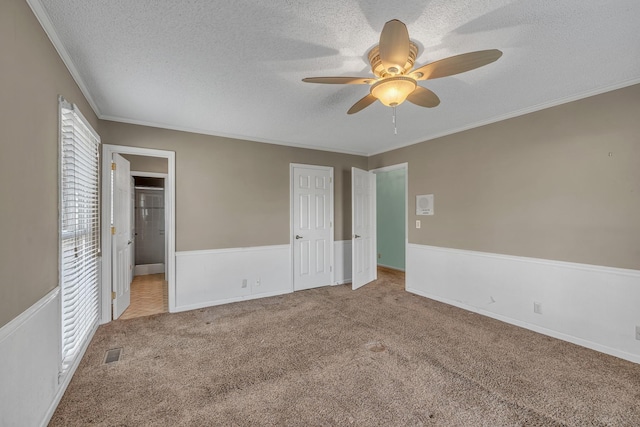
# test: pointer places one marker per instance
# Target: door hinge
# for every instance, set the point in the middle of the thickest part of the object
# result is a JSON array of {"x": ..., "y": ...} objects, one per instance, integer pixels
[
  {"x": 330, "y": 224},
  {"x": 113, "y": 166},
  {"x": 330, "y": 180},
  {"x": 330, "y": 268},
  {"x": 113, "y": 295},
  {"x": 113, "y": 230}
]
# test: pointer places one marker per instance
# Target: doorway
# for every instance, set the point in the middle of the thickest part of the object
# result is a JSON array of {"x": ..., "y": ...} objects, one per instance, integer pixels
[
  {"x": 149, "y": 288},
  {"x": 110, "y": 263},
  {"x": 392, "y": 219},
  {"x": 149, "y": 235}
]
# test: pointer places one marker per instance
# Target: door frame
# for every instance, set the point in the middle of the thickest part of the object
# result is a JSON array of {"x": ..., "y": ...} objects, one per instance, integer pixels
[
  {"x": 291, "y": 222},
  {"x": 170, "y": 226},
  {"x": 390, "y": 168}
]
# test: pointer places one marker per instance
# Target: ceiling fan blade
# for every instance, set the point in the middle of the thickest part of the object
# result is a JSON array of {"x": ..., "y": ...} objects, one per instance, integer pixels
[
  {"x": 456, "y": 64},
  {"x": 339, "y": 80},
  {"x": 362, "y": 104},
  {"x": 394, "y": 46},
  {"x": 423, "y": 97}
]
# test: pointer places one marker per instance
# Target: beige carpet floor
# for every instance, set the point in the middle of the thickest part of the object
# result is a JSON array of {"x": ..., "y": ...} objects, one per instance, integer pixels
[{"x": 331, "y": 356}]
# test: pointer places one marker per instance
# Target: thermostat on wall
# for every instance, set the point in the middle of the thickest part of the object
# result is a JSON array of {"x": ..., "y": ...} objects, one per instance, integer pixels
[{"x": 424, "y": 204}]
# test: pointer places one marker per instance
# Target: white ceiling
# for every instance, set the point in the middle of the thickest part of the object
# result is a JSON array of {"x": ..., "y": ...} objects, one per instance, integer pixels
[{"x": 234, "y": 68}]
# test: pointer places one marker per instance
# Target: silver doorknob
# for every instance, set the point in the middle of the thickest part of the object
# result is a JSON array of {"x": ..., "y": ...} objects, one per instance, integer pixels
[
  {"x": 298, "y": 237},
  {"x": 356, "y": 236}
]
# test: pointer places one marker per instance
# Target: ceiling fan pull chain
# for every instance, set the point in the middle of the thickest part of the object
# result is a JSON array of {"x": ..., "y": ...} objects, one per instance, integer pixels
[{"x": 395, "y": 125}]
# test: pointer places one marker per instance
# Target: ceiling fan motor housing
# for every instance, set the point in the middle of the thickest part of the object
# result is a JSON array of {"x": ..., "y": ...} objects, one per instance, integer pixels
[{"x": 378, "y": 69}]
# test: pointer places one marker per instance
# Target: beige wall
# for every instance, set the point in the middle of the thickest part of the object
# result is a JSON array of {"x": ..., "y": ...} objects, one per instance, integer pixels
[
  {"x": 32, "y": 75},
  {"x": 147, "y": 163},
  {"x": 235, "y": 193},
  {"x": 541, "y": 185}
]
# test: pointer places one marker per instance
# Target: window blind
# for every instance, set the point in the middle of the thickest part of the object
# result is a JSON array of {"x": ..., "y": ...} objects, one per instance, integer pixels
[{"x": 79, "y": 231}]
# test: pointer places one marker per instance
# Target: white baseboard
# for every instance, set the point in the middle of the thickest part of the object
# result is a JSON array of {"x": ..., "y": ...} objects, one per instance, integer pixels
[
  {"x": 588, "y": 305},
  {"x": 342, "y": 261},
  {"x": 144, "y": 269},
  {"x": 215, "y": 302}
]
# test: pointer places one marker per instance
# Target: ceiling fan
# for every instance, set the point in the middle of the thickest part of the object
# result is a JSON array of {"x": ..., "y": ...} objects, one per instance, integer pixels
[{"x": 395, "y": 79}]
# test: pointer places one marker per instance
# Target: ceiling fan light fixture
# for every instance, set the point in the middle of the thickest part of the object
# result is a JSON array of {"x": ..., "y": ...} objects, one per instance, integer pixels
[
  {"x": 393, "y": 91},
  {"x": 392, "y": 63}
]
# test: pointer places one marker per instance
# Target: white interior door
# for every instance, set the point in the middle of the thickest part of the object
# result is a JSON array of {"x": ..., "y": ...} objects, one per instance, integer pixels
[
  {"x": 312, "y": 226},
  {"x": 363, "y": 226},
  {"x": 132, "y": 227},
  {"x": 121, "y": 235}
]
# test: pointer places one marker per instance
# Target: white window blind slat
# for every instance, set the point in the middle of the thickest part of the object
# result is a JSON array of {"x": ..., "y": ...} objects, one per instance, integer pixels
[{"x": 79, "y": 231}]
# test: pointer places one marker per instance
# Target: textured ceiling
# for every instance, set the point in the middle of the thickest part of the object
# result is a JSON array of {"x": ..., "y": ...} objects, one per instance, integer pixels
[{"x": 234, "y": 68}]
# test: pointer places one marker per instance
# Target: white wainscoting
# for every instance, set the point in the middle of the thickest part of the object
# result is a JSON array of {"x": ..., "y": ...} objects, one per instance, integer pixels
[
  {"x": 342, "y": 261},
  {"x": 29, "y": 364},
  {"x": 593, "y": 306},
  {"x": 213, "y": 277}
]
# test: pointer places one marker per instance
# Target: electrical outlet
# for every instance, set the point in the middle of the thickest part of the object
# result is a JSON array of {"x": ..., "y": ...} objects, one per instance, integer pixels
[
  {"x": 244, "y": 283},
  {"x": 537, "y": 307},
  {"x": 638, "y": 332},
  {"x": 258, "y": 282},
  {"x": 379, "y": 256}
]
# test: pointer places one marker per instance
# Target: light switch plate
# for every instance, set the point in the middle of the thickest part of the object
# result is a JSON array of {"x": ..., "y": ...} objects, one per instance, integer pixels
[{"x": 418, "y": 223}]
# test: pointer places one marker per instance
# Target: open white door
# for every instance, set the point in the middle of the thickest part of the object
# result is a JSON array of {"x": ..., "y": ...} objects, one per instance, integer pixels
[
  {"x": 363, "y": 226},
  {"x": 121, "y": 235},
  {"x": 312, "y": 226}
]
